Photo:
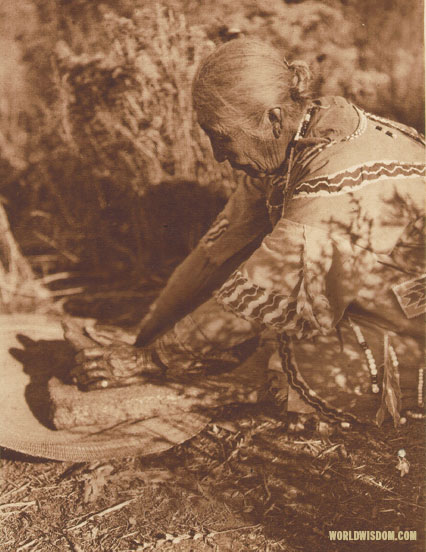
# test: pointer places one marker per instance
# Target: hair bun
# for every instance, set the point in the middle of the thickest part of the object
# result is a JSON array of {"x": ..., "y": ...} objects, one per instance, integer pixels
[{"x": 301, "y": 79}]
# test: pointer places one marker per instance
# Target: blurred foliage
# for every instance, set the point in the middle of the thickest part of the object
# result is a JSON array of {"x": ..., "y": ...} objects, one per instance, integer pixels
[
  {"x": 369, "y": 52},
  {"x": 96, "y": 123}
]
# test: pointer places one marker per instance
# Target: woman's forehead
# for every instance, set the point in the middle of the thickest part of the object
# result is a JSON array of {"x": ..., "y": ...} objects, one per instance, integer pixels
[
  {"x": 212, "y": 123},
  {"x": 216, "y": 132}
]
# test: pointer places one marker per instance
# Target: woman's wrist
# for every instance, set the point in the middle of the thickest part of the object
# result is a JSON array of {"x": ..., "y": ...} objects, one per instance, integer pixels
[{"x": 148, "y": 362}]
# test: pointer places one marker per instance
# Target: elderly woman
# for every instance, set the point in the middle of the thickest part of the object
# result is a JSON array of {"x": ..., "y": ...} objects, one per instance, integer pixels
[{"x": 320, "y": 250}]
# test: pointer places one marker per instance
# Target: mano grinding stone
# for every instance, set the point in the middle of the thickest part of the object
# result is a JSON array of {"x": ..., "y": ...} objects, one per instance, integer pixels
[{"x": 71, "y": 408}]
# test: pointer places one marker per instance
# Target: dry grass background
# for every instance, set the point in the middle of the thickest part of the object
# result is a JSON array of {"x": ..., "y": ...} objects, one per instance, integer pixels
[{"x": 98, "y": 153}]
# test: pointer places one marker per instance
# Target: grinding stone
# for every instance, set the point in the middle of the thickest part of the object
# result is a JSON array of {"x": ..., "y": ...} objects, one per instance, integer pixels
[{"x": 71, "y": 408}]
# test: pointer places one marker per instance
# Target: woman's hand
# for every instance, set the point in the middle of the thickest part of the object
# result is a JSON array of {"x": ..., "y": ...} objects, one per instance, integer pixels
[
  {"x": 110, "y": 366},
  {"x": 107, "y": 335},
  {"x": 114, "y": 365}
]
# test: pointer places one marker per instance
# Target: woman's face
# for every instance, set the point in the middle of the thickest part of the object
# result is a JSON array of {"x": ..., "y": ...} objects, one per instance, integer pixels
[{"x": 255, "y": 156}]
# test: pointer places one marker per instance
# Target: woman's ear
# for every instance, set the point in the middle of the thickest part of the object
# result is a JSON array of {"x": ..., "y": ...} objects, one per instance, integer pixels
[{"x": 276, "y": 120}]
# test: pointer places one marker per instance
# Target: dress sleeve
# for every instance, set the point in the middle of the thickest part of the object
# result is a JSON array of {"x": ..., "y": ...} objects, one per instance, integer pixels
[
  {"x": 299, "y": 281},
  {"x": 243, "y": 222},
  {"x": 301, "y": 278}
]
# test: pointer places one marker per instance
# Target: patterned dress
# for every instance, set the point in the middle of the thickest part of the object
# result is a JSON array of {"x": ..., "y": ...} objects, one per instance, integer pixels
[{"x": 328, "y": 259}]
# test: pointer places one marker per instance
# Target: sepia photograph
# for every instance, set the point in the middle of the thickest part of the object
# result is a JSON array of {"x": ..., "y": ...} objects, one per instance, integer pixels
[{"x": 212, "y": 276}]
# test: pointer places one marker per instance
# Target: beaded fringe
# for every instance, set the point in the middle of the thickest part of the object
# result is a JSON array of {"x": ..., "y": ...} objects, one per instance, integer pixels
[{"x": 391, "y": 391}]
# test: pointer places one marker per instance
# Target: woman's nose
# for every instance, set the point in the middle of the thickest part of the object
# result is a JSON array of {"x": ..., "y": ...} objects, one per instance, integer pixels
[{"x": 218, "y": 152}]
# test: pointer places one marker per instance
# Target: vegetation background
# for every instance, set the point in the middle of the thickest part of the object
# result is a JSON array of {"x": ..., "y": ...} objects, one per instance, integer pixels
[{"x": 103, "y": 171}]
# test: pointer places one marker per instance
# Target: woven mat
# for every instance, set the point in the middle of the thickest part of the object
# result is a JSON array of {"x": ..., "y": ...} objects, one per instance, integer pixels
[{"x": 32, "y": 351}]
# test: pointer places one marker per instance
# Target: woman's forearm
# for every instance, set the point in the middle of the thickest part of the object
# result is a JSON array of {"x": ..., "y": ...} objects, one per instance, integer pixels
[
  {"x": 207, "y": 338},
  {"x": 192, "y": 283},
  {"x": 232, "y": 238},
  {"x": 176, "y": 298}
]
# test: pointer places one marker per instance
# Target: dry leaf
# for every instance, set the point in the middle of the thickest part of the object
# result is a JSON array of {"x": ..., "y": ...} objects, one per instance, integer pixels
[{"x": 95, "y": 482}]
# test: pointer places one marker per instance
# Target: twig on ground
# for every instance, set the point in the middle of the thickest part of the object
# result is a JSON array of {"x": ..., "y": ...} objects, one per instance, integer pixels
[
  {"x": 369, "y": 480},
  {"x": 405, "y": 502},
  {"x": 328, "y": 450},
  {"x": 176, "y": 539},
  {"x": 17, "y": 504},
  {"x": 265, "y": 484},
  {"x": 102, "y": 513},
  {"x": 14, "y": 491},
  {"x": 26, "y": 545},
  {"x": 6, "y": 515},
  {"x": 242, "y": 528},
  {"x": 127, "y": 535}
]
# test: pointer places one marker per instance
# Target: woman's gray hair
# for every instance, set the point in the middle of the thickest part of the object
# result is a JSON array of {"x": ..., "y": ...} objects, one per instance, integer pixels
[{"x": 241, "y": 80}]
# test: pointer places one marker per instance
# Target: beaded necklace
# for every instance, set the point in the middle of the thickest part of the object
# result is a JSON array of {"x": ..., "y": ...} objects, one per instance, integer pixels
[
  {"x": 277, "y": 183},
  {"x": 361, "y": 128},
  {"x": 372, "y": 367},
  {"x": 300, "y": 133}
]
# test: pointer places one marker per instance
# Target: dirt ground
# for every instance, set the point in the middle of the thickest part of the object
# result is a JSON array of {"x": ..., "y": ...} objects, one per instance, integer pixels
[{"x": 249, "y": 481}]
